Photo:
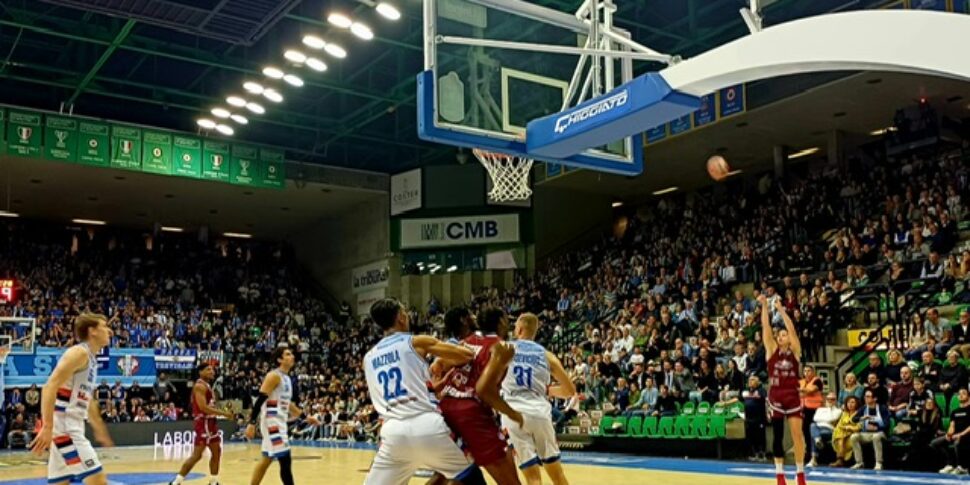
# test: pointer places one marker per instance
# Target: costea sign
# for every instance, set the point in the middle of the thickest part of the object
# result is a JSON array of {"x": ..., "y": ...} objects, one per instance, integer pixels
[
  {"x": 371, "y": 276},
  {"x": 459, "y": 231},
  {"x": 405, "y": 192}
]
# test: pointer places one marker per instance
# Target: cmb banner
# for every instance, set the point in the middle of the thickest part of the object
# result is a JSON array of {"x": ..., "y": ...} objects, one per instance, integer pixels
[
  {"x": 459, "y": 231},
  {"x": 125, "y": 365}
]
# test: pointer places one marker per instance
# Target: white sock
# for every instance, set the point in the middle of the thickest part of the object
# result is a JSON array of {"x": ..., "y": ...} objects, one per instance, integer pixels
[
  {"x": 779, "y": 467},
  {"x": 178, "y": 479},
  {"x": 213, "y": 479},
  {"x": 799, "y": 467}
]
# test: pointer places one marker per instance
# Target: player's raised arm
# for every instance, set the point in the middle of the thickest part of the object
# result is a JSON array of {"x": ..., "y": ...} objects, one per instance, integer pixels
[
  {"x": 488, "y": 384},
  {"x": 767, "y": 334},
  {"x": 270, "y": 383},
  {"x": 564, "y": 386},
  {"x": 796, "y": 345},
  {"x": 452, "y": 355},
  {"x": 73, "y": 360}
]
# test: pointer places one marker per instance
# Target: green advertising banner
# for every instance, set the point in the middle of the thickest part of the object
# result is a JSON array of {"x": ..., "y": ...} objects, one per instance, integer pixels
[
  {"x": 245, "y": 165},
  {"x": 93, "y": 143},
  {"x": 157, "y": 153},
  {"x": 273, "y": 169},
  {"x": 126, "y": 147},
  {"x": 61, "y": 135},
  {"x": 23, "y": 134},
  {"x": 187, "y": 158},
  {"x": 215, "y": 160}
]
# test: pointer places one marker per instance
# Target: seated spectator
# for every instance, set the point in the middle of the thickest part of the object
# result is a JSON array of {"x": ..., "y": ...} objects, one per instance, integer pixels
[
  {"x": 955, "y": 445},
  {"x": 953, "y": 375},
  {"x": 845, "y": 429},
  {"x": 647, "y": 400},
  {"x": 894, "y": 367},
  {"x": 850, "y": 387},
  {"x": 930, "y": 371},
  {"x": 878, "y": 390},
  {"x": 901, "y": 394},
  {"x": 18, "y": 434},
  {"x": 874, "y": 420},
  {"x": 823, "y": 426},
  {"x": 875, "y": 367},
  {"x": 925, "y": 424},
  {"x": 666, "y": 403},
  {"x": 961, "y": 334}
]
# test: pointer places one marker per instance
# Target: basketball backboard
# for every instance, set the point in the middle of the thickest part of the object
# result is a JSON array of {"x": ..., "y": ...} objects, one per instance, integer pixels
[{"x": 483, "y": 96}]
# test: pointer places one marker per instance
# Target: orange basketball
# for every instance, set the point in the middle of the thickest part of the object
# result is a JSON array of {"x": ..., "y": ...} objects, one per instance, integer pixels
[{"x": 717, "y": 167}]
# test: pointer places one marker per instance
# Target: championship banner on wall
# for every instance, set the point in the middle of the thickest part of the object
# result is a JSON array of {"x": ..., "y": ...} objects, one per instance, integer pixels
[
  {"x": 706, "y": 114},
  {"x": 459, "y": 231},
  {"x": 370, "y": 276},
  {"x": 405, "y": 192},
  {"x": 215, "y": 160},
  {"x": 23, "y": 134},
  {"x": 125, "y": 365},
  {"x": 126, "y": 147},
  {"x": 731, "y": 100},
  {"x": 273, "y": 173},
  {"x": 244, "y": 169},
  {"x": 157, "y": 153},
  {"x": 94, "y": 143},
  {"x": 175, "y": 359},
  {"x": 187, "y": 157},
  {"x": 61, "y": 135}
]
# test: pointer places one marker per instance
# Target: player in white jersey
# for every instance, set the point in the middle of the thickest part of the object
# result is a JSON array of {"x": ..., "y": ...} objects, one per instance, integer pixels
[
  {"x": 414, "y": 434},
  {"x": 271, "y": 410},
  {"x": 66, "y": 402},
  {"x": 529, "y": 370}
]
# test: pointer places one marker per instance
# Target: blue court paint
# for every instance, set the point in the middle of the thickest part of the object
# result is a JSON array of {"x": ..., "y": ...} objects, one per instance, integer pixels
[
  {"x": 116, "y": 479},
  {"x": 644, "y": 102},
  {"x": 718, "y": 468}
]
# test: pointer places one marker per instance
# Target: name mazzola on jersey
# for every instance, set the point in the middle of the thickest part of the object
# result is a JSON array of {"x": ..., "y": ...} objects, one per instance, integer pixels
[{"x": 592, "y": 111}]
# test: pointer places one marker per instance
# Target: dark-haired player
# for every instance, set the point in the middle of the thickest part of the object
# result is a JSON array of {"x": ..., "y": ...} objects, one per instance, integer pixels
[
  {"x": 271, "y": 410},
  {"x": 467, "y": 404},
  {"x": 67, "y": 402},
  {"x": 207, "y": 434}
]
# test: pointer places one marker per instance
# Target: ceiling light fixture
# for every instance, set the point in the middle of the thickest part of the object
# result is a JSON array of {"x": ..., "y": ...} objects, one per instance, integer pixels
[
  {"x": 313, "y": 42},
  {"x": 388, "y": 11},
  {"x": 336, "y": 51},
  {"x": 617, "y": 204},
  {"x": 273, "y": 72},
  {"x": 171, "y": 229},
  {"x": 225, "y": 129},
  {"x": 294, "y": 55},
  {"x": 882, "y": 131},
  {"x": 90, "y": 222},
  {"x": 293, "y": 80},
  {"x": 242, "y": 120},
  {"x": 221, "y": 113},
  {"x": 240, "y": 235},
  {"x": 316, "y": 64},
  {"x": 236, "y": 101},
  {"x": 255, "y": 108},
  {"x": 803, "y": 153},
  {"x": 362, "y": 31},
  {"x": 253, "y": 87},
  {"x": 273, "y": 95},
  {"x": 8, "y": 214},
  {"x": 665, "y": 191},
  {"x": 340, "y": 20},
  {"x": 206, "y": 123}
]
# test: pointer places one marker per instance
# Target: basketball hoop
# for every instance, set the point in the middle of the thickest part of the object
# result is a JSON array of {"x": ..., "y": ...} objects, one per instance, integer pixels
[{"x": 509, "y": 174}]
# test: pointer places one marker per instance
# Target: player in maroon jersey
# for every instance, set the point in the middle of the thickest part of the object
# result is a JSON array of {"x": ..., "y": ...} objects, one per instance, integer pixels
[
  {"x": 206, "y": 432},
  {"x": 467, "y": 406},
  {"x": 784, "y": 401}
]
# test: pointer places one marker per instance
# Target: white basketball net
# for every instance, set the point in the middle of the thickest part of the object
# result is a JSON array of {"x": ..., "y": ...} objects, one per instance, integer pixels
[{"x": 509, "y": 174}]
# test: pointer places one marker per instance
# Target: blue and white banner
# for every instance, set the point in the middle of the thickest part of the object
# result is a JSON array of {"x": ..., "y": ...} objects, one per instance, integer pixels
[
  {"x": 657, "y": 133},
  {"x": 175, "y": 359},
  {"x": 459, "y": 231},
  {"x": 125, "y": 365},
  {"x": 680, "y": 125},
  {"x": 731, "y": 100},
  {"x": 707, "y": 113}
]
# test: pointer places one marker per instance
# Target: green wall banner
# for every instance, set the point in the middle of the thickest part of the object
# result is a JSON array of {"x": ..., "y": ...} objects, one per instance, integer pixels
[
  {"x": 187, "y": 159},
  {"x": 98, "y": 143},
  {"x": 126, "y": 147},
  {"x": 157, "y": 153},
  {"x": 215, "y": 160},
  {"x": 245, "y": 165},
  {"x": 23, "y": 134},
  {"x": 94, "y": 143}
]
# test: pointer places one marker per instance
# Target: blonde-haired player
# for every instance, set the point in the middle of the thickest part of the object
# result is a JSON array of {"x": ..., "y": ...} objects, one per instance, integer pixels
[
  {"x": 67, "y": 401},
  {"x": 529, "y": 370}
]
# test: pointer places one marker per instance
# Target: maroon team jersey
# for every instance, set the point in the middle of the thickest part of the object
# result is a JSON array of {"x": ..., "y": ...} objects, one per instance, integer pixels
[
  {"x": 463, "y": 379},
  {"x": 209, "y": 400},
  {"x": 205, "y": 427},
  {"x": 783, "y": 370}
]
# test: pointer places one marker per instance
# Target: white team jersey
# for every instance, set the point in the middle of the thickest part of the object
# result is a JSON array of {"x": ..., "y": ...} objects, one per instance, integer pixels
[
  {"x": 277, "y": 406},
  {"x": 73, "y": 399},
  {"x": 527, "y": 379},
  {"x": 397, "y": 378}
]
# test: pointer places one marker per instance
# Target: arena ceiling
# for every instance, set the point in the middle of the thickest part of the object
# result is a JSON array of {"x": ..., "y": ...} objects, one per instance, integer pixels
[{"x": 165, "y": 62}]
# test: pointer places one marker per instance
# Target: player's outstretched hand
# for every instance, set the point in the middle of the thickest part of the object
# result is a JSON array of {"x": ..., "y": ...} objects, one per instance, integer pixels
[
  {"x": 762, "y": 299},
  {"x": 250, "y": 432},
  {"x": 42, "y": 441}
]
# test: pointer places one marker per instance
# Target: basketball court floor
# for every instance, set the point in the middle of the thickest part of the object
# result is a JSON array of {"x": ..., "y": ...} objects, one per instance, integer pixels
[{"x": 343, "y": 463}]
